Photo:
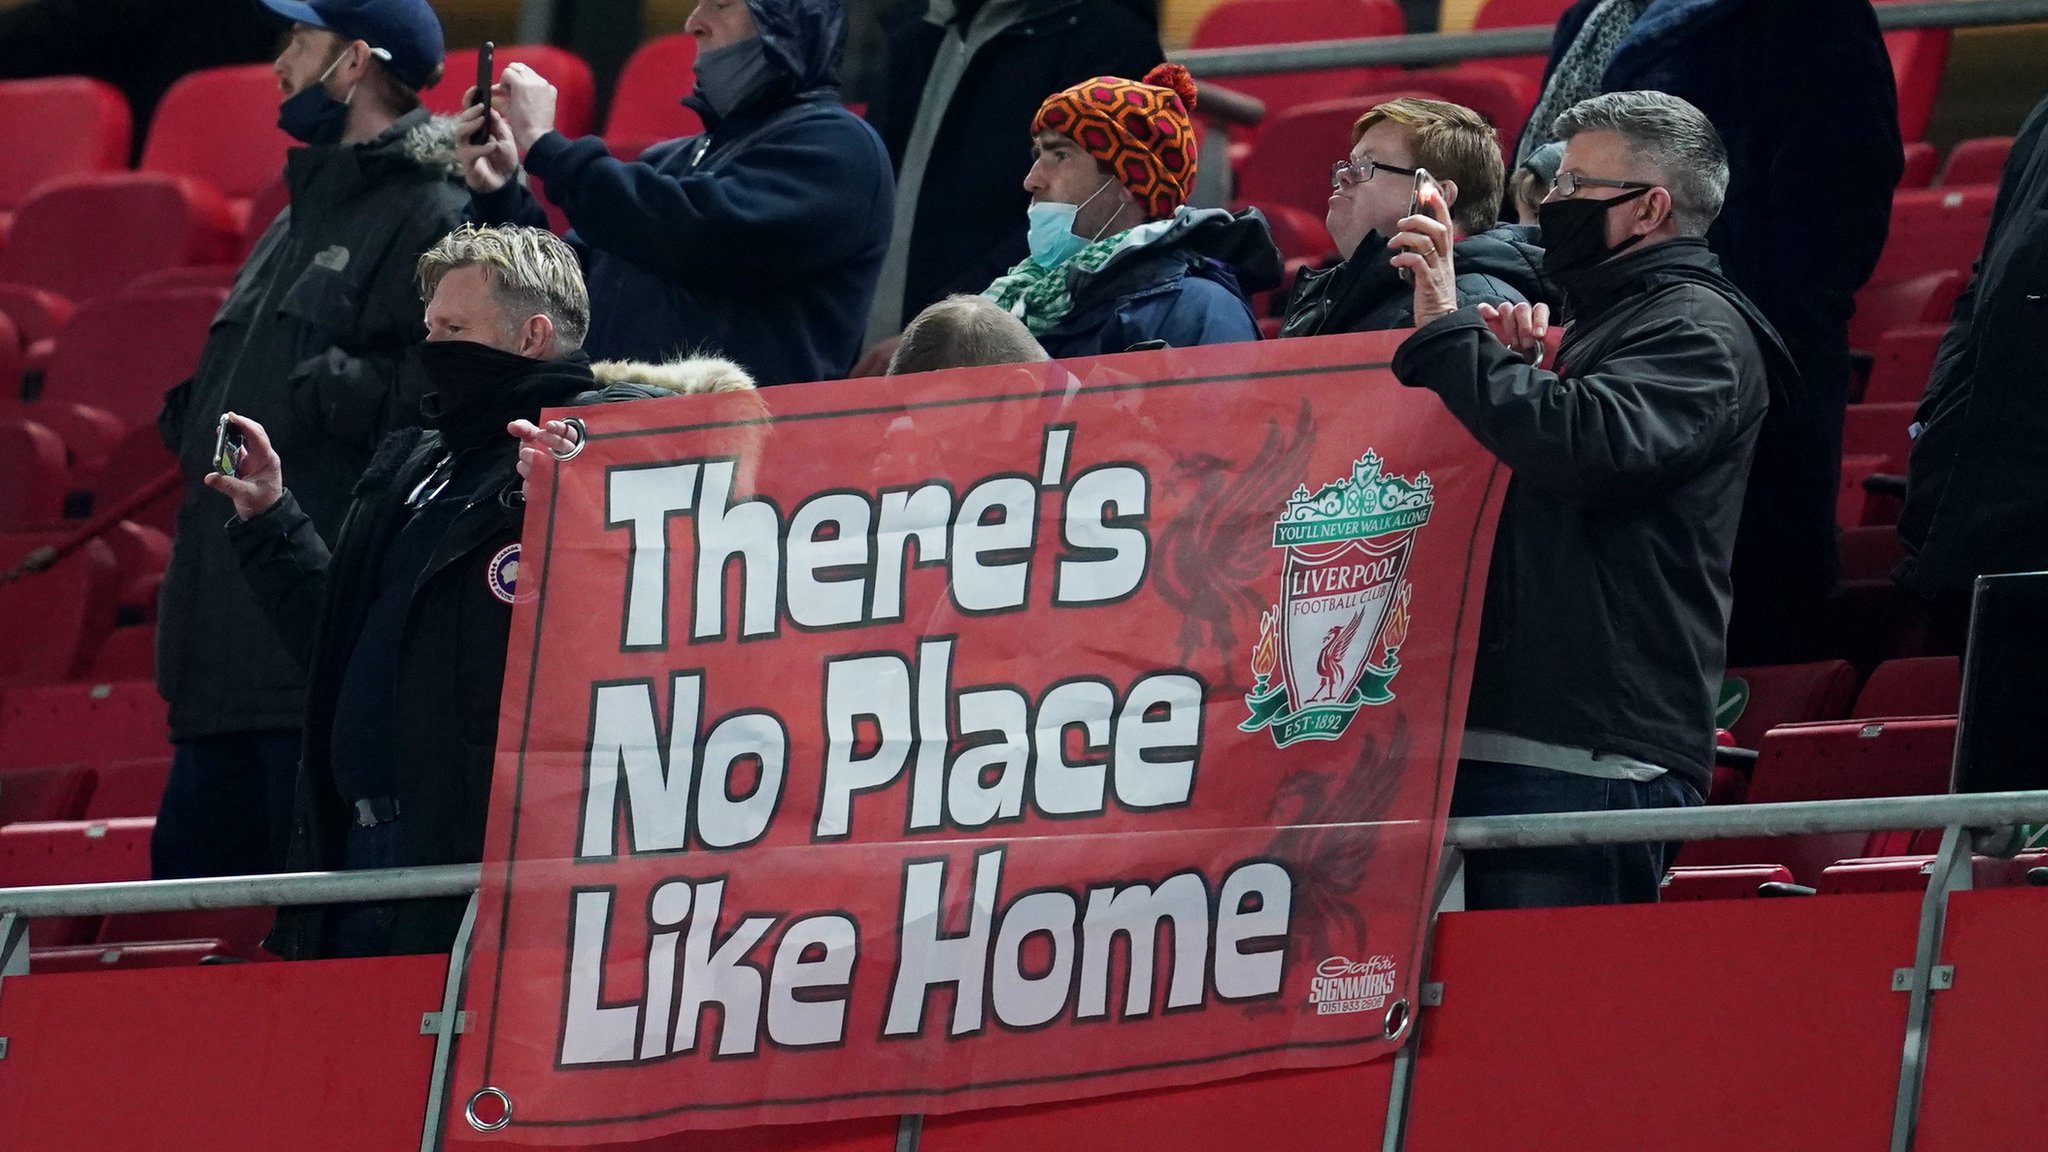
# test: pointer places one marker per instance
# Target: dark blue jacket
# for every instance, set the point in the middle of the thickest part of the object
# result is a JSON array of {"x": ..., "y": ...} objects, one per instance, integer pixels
[
  {"x": 1801, "y": 92},
  {"x": 1185, "y": 289},
  {"x": 759, "y": 240}
]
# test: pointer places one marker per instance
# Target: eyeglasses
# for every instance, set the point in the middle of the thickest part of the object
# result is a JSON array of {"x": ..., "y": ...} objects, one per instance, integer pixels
[
  {"x": 1344, "y": 172},
  {"x": 1568, "y": 184}
]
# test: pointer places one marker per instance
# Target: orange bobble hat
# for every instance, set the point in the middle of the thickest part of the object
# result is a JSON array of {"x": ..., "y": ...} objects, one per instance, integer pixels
[{"x": 1142, "y": 131}]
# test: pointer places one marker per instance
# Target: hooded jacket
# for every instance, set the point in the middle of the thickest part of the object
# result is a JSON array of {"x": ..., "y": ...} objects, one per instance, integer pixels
[
  {"x": 453, "y": 662},
  {"x": 1188, "y": 287},
  {"x": 968, "y": 219},
  {"x": 1609, "y": 592},
  {"x": 1810, "y": 118},
  {"x": 311, "y": 343},
  {"x": 1977, "y": 480},
  {"x": 758, "y": 240},
  {"x": 1366, "y": 293}
]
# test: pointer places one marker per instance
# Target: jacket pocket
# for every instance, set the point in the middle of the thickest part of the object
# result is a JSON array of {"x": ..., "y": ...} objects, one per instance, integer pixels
[{"x": 325, "y": 298}]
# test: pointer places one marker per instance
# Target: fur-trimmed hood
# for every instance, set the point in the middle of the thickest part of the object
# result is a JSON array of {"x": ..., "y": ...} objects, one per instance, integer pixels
[{"x": 686, "y": 376}]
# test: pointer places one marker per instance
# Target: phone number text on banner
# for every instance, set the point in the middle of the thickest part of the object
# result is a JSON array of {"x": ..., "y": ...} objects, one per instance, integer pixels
[{"x": 974, "y": 739}]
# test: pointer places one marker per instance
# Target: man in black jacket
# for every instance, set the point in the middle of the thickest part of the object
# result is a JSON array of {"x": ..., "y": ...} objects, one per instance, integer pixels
[
  {"x": 403, "y": 623},
  {"x": 1601, "y": 642},
  {"x": 1977, "y": 483},
  {"x": 759, "y": 240},
  {"x": 1371, "y": 189},
  {"x": 962, "y": 75},
  {"x": 311, "y": 343}
]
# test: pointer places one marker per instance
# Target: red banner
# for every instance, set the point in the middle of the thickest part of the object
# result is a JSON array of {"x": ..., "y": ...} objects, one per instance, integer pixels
[{"x": 974, "y": 739}]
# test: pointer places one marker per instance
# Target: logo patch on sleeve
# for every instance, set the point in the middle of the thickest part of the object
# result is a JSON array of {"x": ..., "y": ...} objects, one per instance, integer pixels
[{"x": 503, "y": 573}]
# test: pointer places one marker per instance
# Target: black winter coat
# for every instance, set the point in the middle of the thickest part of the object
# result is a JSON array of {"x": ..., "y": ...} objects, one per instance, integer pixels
[
  {"x": 1977, "y": 483},
  {"x": 1366, "y": 292},
  {"x": 970, "y": 208},
  {"x": 312, "y": 344},
  {"x": 1609, "y": 591},
  {"x": 1801, "y": 92},
  {"x": 758, "y": 240}
]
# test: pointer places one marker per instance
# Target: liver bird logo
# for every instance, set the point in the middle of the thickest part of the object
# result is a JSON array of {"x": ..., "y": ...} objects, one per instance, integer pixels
[{"x": 1330, "y": 660}]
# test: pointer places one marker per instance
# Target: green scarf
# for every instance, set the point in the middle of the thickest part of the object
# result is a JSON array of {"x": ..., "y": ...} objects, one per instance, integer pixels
[{"x": 1041, "y": 297}]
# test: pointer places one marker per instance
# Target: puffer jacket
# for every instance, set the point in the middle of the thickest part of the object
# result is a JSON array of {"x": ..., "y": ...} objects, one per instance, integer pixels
[
  {"x": 1609, "y": 592},
  {"x": 759, "y": 240},
  {"x": 312, "y": 344},
  {"x": 1186, "y": 288},
  {"x": 1366, "y": 292},
  {"x": 453, "y": 663}
]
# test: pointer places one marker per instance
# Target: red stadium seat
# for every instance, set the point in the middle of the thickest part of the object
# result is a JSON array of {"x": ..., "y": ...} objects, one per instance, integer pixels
[
  {"x": 269, "y": 200},
  {"x": 12, "y": 352},
  {"x": 75, "y": 958},
  {"x": 37, "y": 794},
  {"x": 1919, "y": 57},
  {"x": 1979, "y": 161},
  {"x": 72, "y": 852},
  {"x": 575, "y": 90},
  {"x": 1242, "y": 23},
  {"x": 56, "y": 127},
  {"x": 220, "y": 125},
  {"x": 1921, "y": 161},
  {"x": 54, "y": 620},
  {"x": 1934, "y": 230},
  {"x": 1721, "y": 882},
  {"x": 89, "y": 724},
  {"x": 138, "y": 458},
  {"x": 1503, "y": 98},
  {"x": 1903, "y": 361},
  {"x": 216, "y": 276},
  {"x": 1879, "y": 430},
  {"x": 1885, "y": 307},
  {"x": 33, "y": 475},
  {"x": 1789, "y": 694},
  {"x": 36, "y": 314},
  {"x": 1289, "y": 163},
  {"x": 128, "y": 653},
  {"x": 122, "y": 353},
  {"x": 1519, "y": 14},
  {"x": 236, "y": 931},
  {"x": 647, "y": 104},
  {"x": 128, "y": 788},
  {"x": 140, "y": 555},
  {"x": 1870, "y": 553},
  {"x": 1920, "y": 686},
  {"x": 1910, "y": 873},
  {"x": 88, "y": 236}
]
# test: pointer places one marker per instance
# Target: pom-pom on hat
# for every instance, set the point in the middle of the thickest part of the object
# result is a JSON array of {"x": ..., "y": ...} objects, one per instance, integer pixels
[{"x": 1141, "y": 130}]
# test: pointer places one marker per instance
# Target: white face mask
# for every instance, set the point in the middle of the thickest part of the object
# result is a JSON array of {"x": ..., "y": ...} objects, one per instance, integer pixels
[{"x": 1050, "y": 229}]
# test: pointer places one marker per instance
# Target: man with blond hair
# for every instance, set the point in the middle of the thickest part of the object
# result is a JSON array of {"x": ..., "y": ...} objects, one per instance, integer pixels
[
  {"x": 1371, "y": 190},
  {"x": 402, "y": 626},
  {"x": 963, "y": 332}
]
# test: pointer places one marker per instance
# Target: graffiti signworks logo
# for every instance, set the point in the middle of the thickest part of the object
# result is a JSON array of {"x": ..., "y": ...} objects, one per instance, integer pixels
[
  {"x": 1342, "y": 984},
  {"x": 1332, "y": 644}
]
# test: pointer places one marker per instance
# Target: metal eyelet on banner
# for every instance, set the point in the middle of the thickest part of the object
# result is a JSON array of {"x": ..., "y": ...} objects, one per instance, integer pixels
[
  {"x": 578, "y": 433},
  {"x": 469, "y": 1110},
  {"x": 1397, "y": 1020}
]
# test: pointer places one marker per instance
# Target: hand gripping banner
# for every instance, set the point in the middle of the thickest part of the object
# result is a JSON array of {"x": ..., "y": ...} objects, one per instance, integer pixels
[{"x": 973, "y": 739}]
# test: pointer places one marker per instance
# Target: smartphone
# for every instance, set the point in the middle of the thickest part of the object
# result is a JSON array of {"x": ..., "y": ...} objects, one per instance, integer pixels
[
  {"x": 1425, "y": 192},
  {"x": 484, "y": 70},
  {"x": 227, "y": 446}
]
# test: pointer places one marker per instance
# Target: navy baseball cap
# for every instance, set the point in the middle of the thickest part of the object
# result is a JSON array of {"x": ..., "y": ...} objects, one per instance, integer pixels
[{"x": 404, "y": 34}]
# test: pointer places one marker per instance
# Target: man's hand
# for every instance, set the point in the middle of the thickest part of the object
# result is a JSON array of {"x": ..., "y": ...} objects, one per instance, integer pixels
[
  {"x": 258, "y": 482},
  {"x": 527, "y": 103},
  {"x": 538, "y": 445},
  {"x": 1521, "y": 327},
  {"x": 485, "y": 167},
  {"x": 1423, "y": 248}
]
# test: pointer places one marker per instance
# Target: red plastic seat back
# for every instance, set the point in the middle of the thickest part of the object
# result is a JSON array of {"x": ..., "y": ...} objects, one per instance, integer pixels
[
  {"x": 90, "y": 724},
  {"x": 1921, "y": 161},
  {"x": 56, "y": 127},
  {"x": 1881, "y": 430},
  {"x": 1789, "y": 694},
  {"x": 1904, "y": 360},
  {"x": 1290, "y": 161},
  {"x": 136, "y": 460},
  {"x": 1934, "y": 230},
  {"x": 1720, "y": 882},
  {"x": 1890, "y": 306},
  {"x": 1520, "y": 14},
  {"x": 1870, "y": 553},
  {"x": 129, "y": 788},
  {"x": 1242, "y": 23},
  {"x": 1503, "y": 98},
  {"x": 54, "y": 621},
  {"x": 220, "y": 125},
  {"x": 1979, "y": 161},
  {"x": 92, "y": 235},
  {"x": 647, "y": 103},
  {"x": 72, "y": 852},
  {"x": 33, "y": 476},
  {"x": 1919, "y": 57},
  {"x": 122, "y": 353},
  {"x": 575, "y": 90},
  {"x": 1854, "y": 760},
  {"x": 1915, "y": 686},
  {"x": 37, "y": 794}
]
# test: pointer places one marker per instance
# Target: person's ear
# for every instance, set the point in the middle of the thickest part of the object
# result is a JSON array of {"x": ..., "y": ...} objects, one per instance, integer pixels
[
  {"x": 537, "y": 338},
  {"x": 1657, "y": 209},
  {"x": 1450, "y": 188}
]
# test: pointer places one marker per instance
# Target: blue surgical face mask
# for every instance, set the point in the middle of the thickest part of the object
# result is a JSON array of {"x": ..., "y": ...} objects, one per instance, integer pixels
[
  {"x": 1050, "y": 230},
  {"x": 313, "y": 116}
]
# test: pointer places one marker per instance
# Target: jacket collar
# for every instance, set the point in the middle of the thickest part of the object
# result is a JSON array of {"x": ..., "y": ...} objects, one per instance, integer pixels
[{"x": 1667, "y": 23}]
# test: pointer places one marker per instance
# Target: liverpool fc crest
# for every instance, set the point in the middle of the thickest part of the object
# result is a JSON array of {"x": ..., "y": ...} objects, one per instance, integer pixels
[{"x": 1332, "y": 644}]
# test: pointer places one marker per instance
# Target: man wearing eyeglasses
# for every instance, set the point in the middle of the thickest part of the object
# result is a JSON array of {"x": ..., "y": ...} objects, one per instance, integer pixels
[
  {"x": 1369, "y": 193},
  {"x": 1602, "y": 643}
]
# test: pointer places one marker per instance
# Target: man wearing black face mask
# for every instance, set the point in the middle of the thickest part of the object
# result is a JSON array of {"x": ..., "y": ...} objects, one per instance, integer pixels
[
  {"x": 403, "y": 624},
  {"x": 311, "y": 343},
  {"x": 1602, "y": 642},
  {"x": 761, "y": 239}
]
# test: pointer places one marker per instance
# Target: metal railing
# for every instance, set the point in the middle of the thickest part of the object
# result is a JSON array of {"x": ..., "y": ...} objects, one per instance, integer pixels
[
  {"x": 1450, "y": 47},
  {"x": 1799, "y": 818}
]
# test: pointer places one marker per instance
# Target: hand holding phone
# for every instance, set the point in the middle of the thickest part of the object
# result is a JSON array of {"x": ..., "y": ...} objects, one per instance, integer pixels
[
  {"x": 227, "y": 445},
  {"x": 247, "y": 470},
  {"x": 485, "y": 69}
]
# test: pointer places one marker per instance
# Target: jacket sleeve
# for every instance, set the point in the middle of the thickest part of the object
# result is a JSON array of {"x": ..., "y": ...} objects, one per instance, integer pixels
[
  {"x": 285, "y": 564},
  {"x": 1206, "y": 312},
  {"x": 791, "y": 202},
  {"x": 514, "y": 203},
  {"x": 1644, "y": 418}
]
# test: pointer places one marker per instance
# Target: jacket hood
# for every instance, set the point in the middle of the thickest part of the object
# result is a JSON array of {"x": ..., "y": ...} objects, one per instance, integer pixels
[
  {"x": 418, "y": 139},
  {"x": 1242, "y": 241},
  {"x": 687, "y": 376},
  {"x": 806, "y": 38},
  {"x": 1507, "y": 253}
]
